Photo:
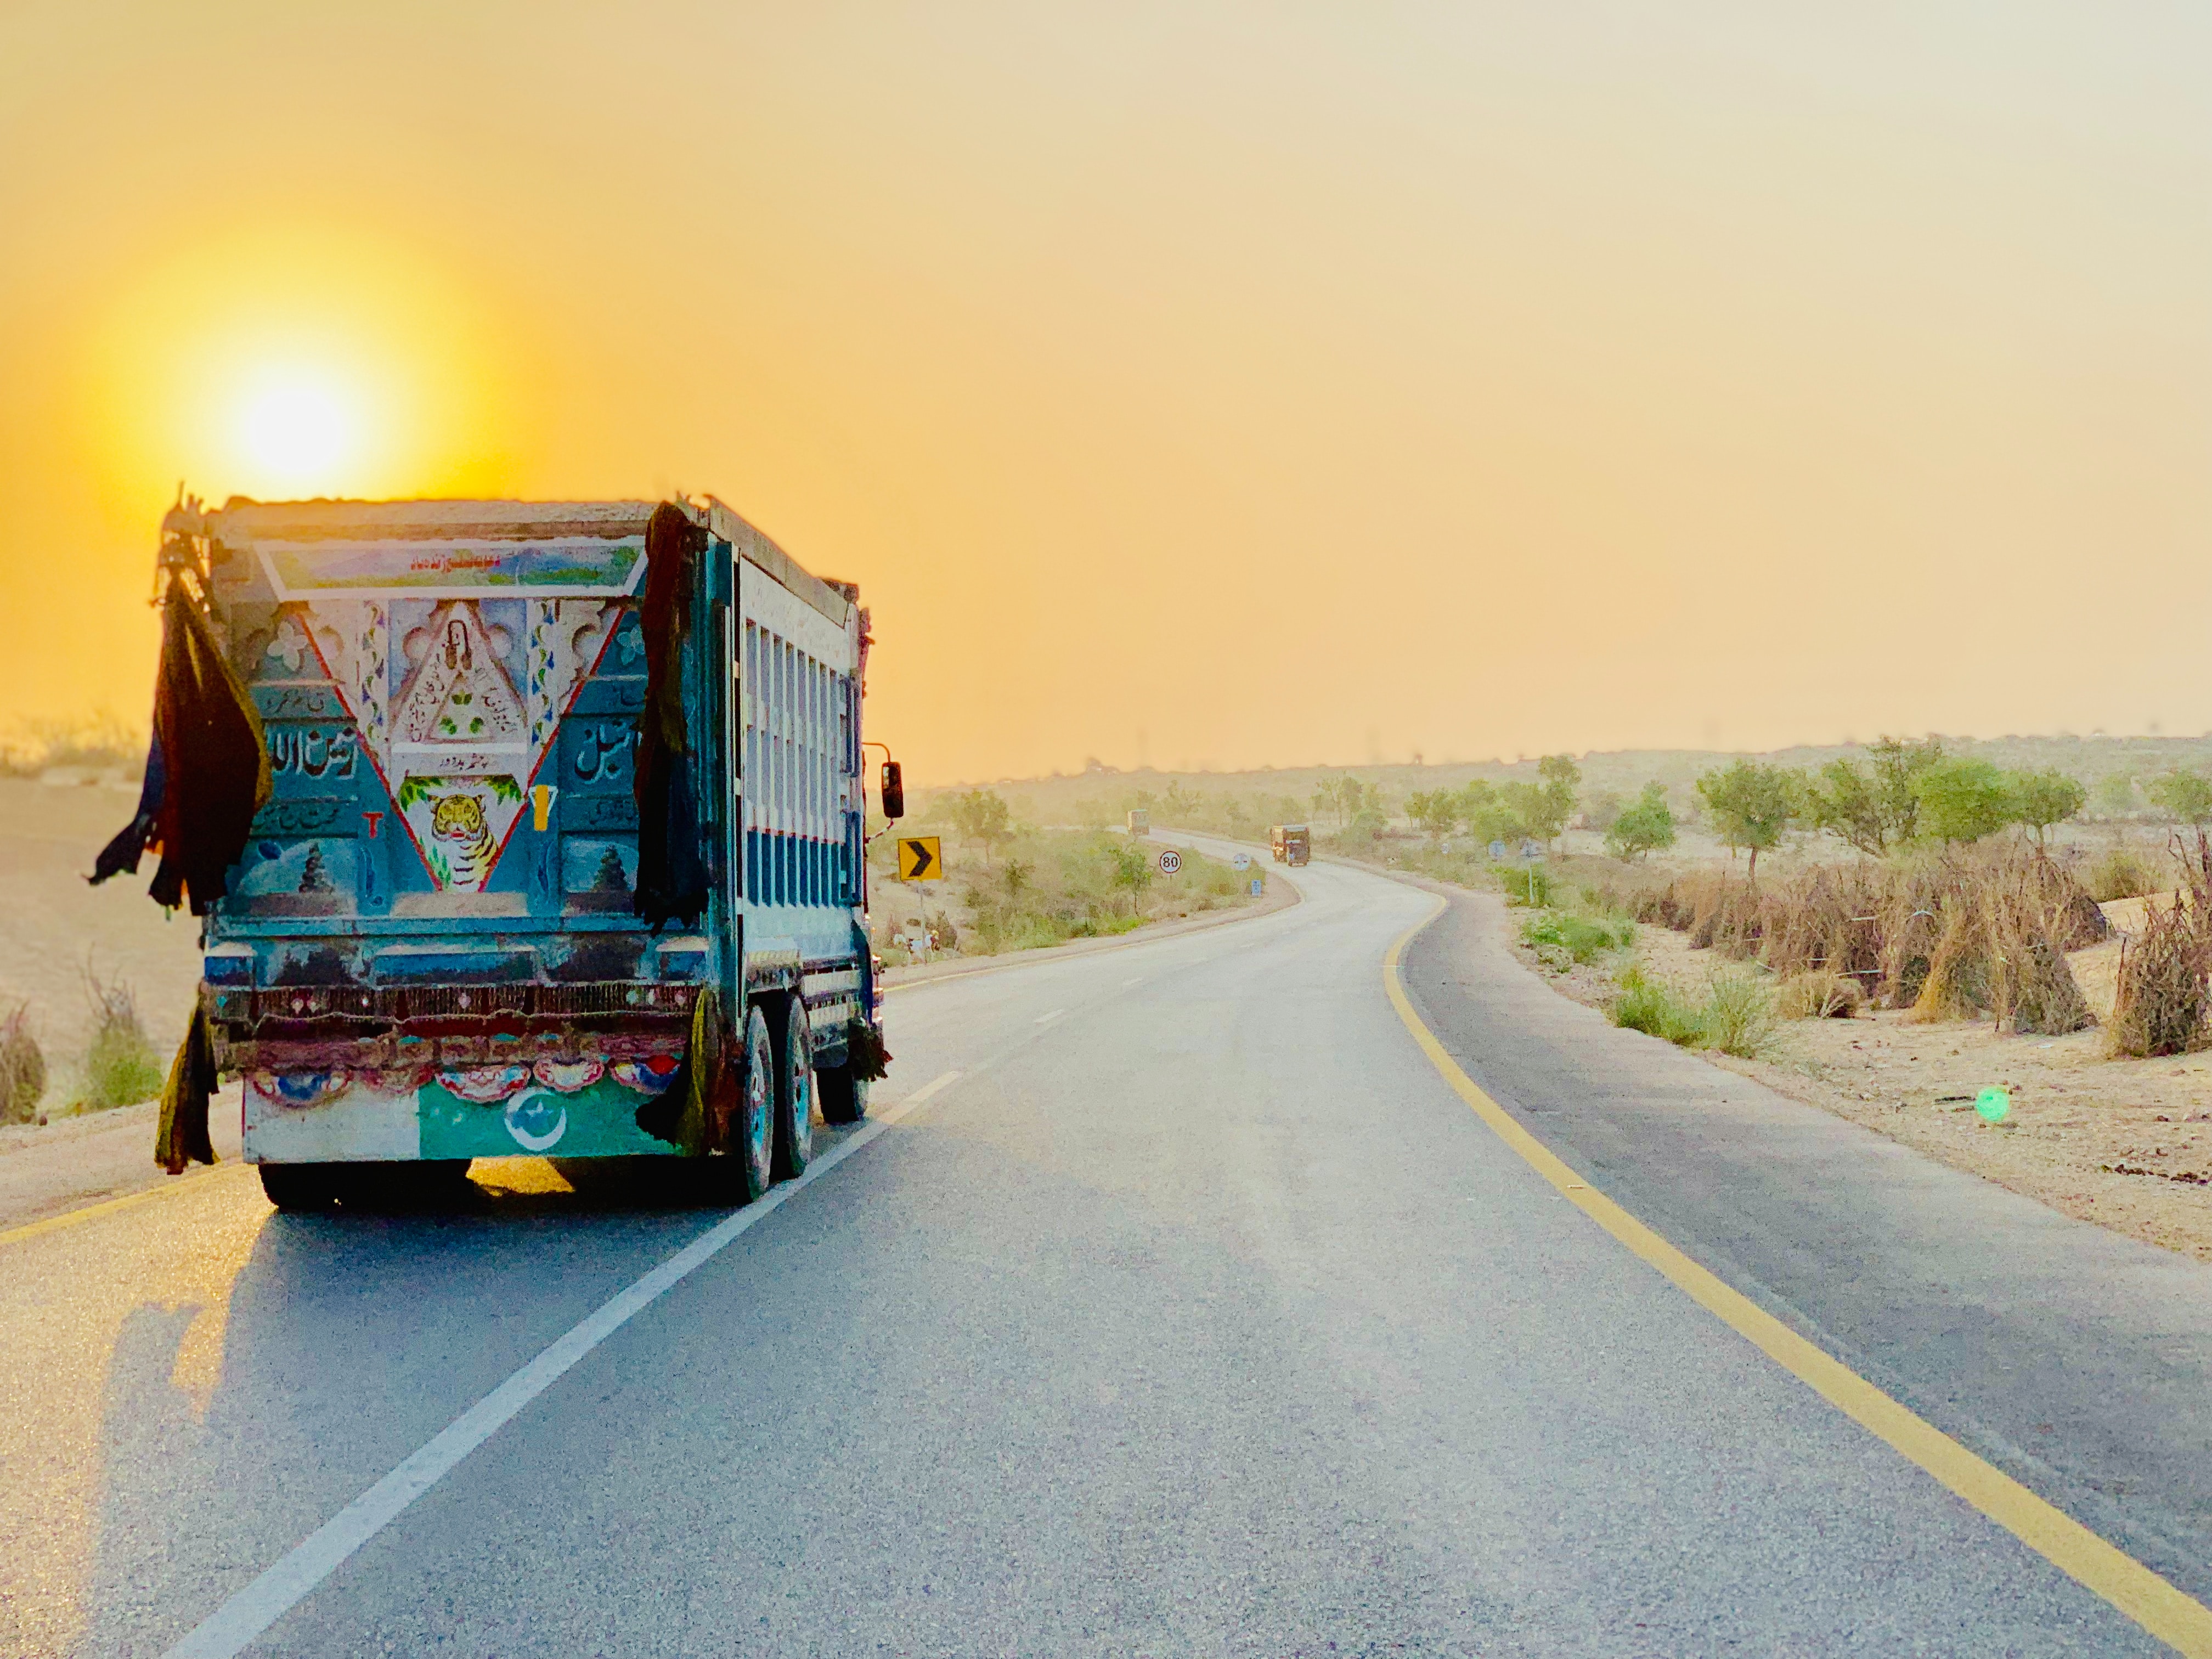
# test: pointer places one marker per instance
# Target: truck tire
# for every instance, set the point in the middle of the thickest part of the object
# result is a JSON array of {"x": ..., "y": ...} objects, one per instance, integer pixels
[
  {"x": 302, "y": 1188},
  {"x": 743, "y": 1168},
  {"x": 794, "y": 1090},
  {"x": 844, "y": 1097}
]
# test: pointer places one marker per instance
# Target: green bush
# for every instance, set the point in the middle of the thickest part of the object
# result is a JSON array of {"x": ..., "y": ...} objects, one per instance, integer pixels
[
  {"x": 1531, "y": 885},
  {"x": 120, "y": 1066},
  {"x": 1581, "y": 937},
  {"x": 1646, "y": 1005},
  {"x": 1739, "y": 1016},
  {"x": 1736, "y": 1017},
  {"x": 1646, "y": 827}
]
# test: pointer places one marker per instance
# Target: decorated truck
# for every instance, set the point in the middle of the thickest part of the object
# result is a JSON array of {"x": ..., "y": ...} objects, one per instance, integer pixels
[{"x": 515, "y": 828}]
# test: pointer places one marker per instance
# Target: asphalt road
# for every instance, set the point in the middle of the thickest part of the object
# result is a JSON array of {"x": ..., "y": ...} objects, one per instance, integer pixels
[{"x": 1193, "y": 1314}]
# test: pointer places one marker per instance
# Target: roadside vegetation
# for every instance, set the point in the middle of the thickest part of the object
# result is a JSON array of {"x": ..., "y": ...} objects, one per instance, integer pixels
[
  {"x": 120, "y": 1066},
  {"x": 22, "y": 1068},
  {"x": 1011, "y": 885},
  {"x": 1913, "y": 876},
  {"x": 98, "y": 743}
]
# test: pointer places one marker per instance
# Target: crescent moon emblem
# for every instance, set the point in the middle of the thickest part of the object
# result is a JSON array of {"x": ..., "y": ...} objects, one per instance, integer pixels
[{"x": 523, "y": 1137}]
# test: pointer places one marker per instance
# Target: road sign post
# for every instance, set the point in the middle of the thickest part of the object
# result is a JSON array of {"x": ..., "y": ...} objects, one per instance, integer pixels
[{"x": 920, "y": 859}]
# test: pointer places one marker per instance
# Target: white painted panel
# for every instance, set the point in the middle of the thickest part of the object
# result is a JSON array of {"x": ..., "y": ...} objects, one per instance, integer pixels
[
  {"x": 763, "y": 601},
  {"x": 358, "y": 1125}
]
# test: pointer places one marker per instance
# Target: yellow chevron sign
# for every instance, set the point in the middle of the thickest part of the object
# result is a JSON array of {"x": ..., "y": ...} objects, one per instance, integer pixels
[{"x": 918, "y": 859}]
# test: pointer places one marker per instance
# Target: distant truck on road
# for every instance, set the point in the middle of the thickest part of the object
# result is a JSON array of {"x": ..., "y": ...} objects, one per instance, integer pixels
[
  {"x": 1291, "y": 843},
  {"x": 1141, "y": 822},
  {"x": 561, "y": 851}
]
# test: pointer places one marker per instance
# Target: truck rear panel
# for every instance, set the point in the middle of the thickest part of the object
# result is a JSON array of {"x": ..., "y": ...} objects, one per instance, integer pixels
[{"x": 429, "y": 950}]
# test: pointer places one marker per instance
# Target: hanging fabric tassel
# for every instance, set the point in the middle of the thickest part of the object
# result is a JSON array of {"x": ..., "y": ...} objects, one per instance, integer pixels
[
  {"x": 207, "y": 767},
  {"x": 181, "y": 1138},
  {"x": 671, "y": 878},
  {"x": 684, "y": 1114}
]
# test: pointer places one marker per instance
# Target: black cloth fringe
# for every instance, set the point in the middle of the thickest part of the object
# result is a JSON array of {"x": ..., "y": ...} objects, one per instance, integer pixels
[
  {"x": 207, "y": 767},
  {"x": 671, "y": 877},
  {"x": 181, "y": 1137}
]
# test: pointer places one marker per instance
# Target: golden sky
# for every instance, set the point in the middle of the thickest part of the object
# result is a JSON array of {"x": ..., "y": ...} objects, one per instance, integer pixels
[{"x": 1207, "y": 384}]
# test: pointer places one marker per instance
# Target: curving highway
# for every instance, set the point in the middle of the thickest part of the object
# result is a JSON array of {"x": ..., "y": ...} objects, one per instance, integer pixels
[{"x": 1174, "y": 1302}]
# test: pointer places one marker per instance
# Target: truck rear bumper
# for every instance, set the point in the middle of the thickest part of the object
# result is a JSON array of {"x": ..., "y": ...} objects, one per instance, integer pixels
[{"x": 569, "y": 1109}]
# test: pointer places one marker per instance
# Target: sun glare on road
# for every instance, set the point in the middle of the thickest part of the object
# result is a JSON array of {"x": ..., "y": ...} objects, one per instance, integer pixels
[{"x": 298, "y": 431}]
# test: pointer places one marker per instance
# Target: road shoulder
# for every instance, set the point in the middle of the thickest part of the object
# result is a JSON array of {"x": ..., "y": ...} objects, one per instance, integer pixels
[
  {"x": 73, "y": 1163},
  {"x": 2078, "y": 1362}
]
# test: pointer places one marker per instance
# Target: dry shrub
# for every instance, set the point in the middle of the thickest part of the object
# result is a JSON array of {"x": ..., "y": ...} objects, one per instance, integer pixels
[
  {"x": 1974, "y": 933},
  {"x": 1720, "y": 914},
  {"x": 2030, "y": 905},
  {"x": 2122, "y": 872},
  {"x": 2008, "y": 917},
  {"x": 2162, "y": 997},
  {"x": 2160, "y": 1007},
  {"x": 2085, "y": 924},
  {"x": 1631, "y": 894},
  {"x": 23, "y": 1068},
  {"x": 1957, "y": 985},
  {"x": 1818, "y": 994}
]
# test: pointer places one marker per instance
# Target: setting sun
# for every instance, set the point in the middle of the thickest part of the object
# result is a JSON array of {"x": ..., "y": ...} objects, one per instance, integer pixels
[{"x": 300, "y": 432}]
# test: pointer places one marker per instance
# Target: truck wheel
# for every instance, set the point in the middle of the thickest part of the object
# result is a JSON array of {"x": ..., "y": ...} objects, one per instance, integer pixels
[
  {"x": 794, "y": 1090},
  {"x": 302, "y": 1188},
  {"x": 844, "y": 1097},
  {"x": 745, "y": 1168}
]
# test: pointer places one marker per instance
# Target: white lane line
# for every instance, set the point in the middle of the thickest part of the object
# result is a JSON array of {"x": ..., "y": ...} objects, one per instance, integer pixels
[
  {"x": 898, "y": 1109},
  {"x": 243, "y": 1618},
  {"x": 1046, "y": 1019},
  {"x": 1126, "y": 983}
]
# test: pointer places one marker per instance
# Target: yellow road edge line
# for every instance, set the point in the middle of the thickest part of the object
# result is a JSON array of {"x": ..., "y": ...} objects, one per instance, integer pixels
[
  {"x": 109, "y": 1206},
  {"x": 2180, "y": 1620}
]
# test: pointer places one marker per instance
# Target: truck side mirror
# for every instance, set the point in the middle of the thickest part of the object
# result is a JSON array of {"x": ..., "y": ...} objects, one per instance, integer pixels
[{"x": 893, "y": 793}]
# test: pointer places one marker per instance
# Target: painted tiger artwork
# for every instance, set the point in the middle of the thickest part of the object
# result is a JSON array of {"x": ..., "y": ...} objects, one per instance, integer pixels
[{"x": 459, "y": 821}]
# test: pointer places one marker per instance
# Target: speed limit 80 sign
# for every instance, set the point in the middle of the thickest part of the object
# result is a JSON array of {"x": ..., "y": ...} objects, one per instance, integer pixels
[{"x": 1170, "y": 860}]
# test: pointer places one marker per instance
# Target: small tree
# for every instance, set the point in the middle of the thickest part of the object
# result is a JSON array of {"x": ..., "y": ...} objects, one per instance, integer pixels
[
  {"x": 1433, "y": 811},
  {"x": 1874, "y": 807},
  {"x": 1133, "y": 869},
  {"x": 2040, "y": 800},
  {"x": 1646, "y": 825},
  {"x": 980, "y": 816},
  {"x": 1490, "y": 813},
  {"x": 1963, "y": 799},
  {"x": 1561, "y": 780},
  {"x": 1751, "y": 805},
  {"x": 2184, "y": 797}
]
